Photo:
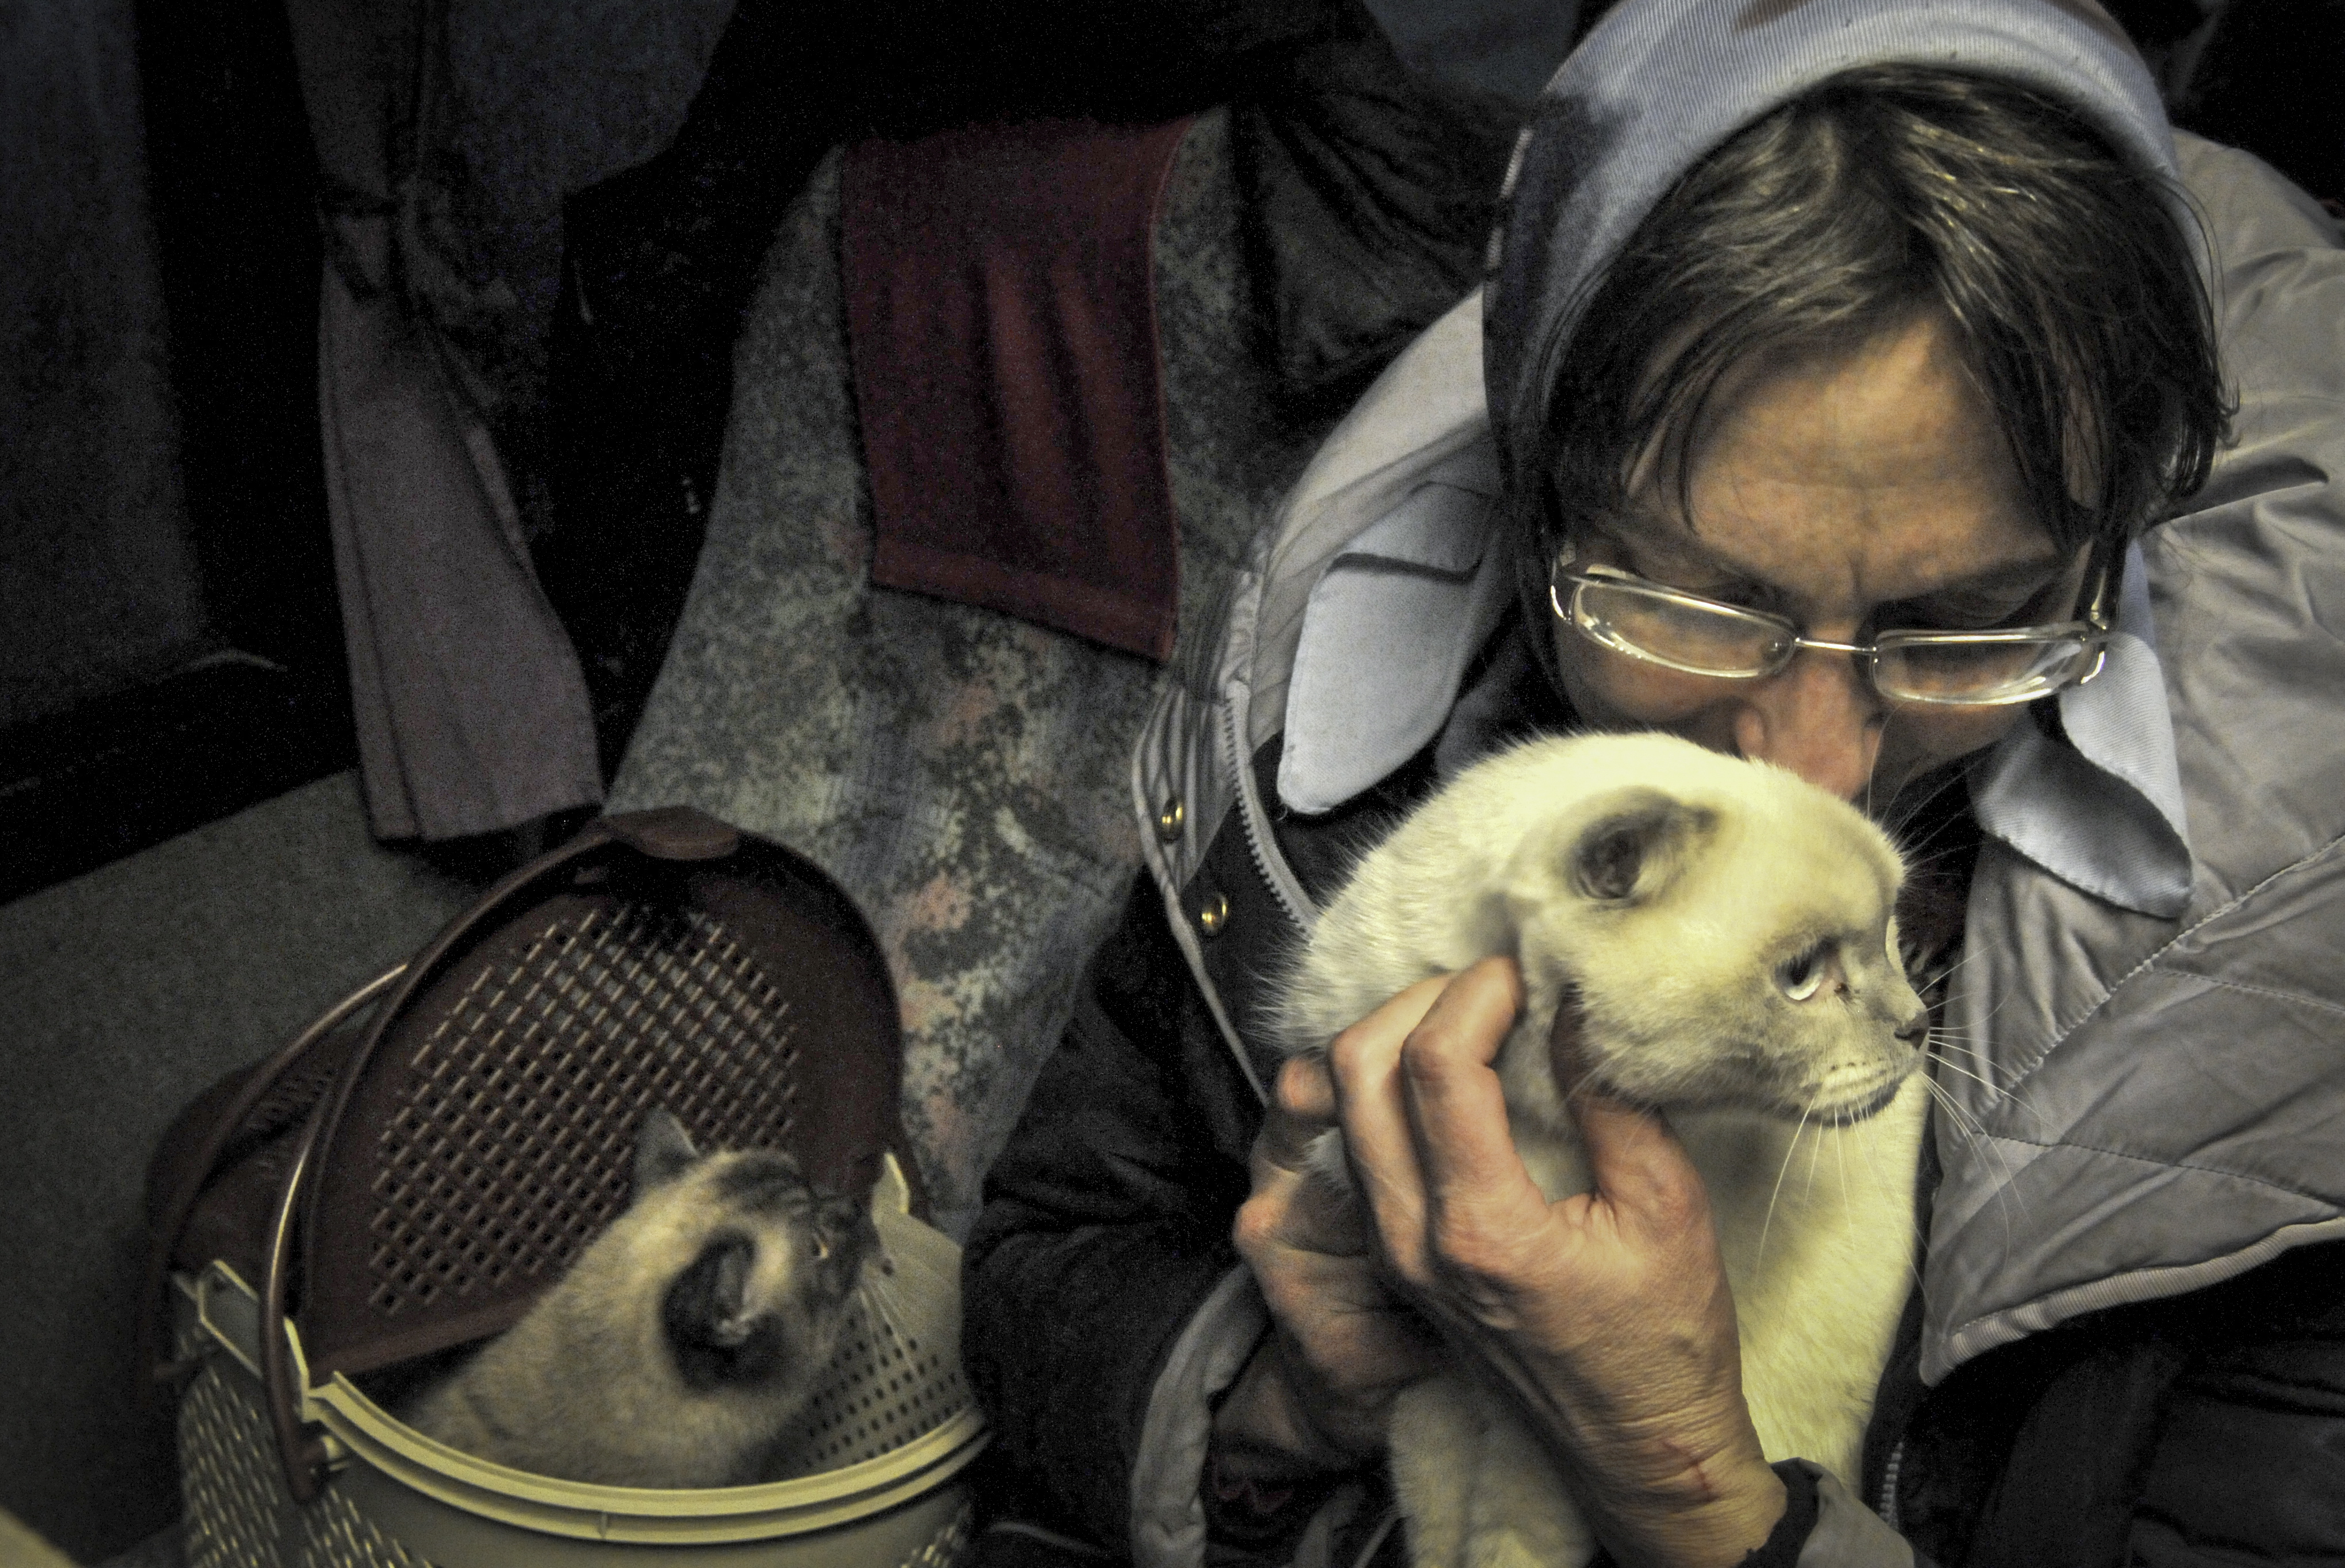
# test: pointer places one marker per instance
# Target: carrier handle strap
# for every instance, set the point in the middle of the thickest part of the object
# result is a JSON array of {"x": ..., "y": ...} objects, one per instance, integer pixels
[
  {"x": 165, "y": 1238},
  {"x": 300, "y": 1450}
]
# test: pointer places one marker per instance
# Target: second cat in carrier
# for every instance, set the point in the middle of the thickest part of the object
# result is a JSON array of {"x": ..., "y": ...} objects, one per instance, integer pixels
[{"x": 683, "y": 1342}]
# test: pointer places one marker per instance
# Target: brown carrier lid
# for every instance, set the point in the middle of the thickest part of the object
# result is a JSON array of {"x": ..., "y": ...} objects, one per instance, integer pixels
[{"x": 483, "y": 1132}]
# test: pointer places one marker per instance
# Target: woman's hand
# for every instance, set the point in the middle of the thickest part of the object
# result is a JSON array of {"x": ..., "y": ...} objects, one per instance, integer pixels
[
  {"x": 1315, "y": 1397},
  {"x": 1607, "y": 1314}
]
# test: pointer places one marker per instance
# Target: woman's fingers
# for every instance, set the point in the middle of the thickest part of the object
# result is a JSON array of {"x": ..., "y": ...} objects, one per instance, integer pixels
[
  {"x": 1427, "y": 1125},
  {"x": 1345, "y": 1344},
  {"x": 1304, "y": 1091},
  {"x": 1457, "y": 1109},
  {"x": 1301, "y": 1108},
  {"x": 1607, "y": 1313},
  {"x": 1489, "y": 1229},
  {"x": 1638, "y": 1166},
  {"x": 1289, "y": 1210},
  {"x": 1365, "y": 1060}
]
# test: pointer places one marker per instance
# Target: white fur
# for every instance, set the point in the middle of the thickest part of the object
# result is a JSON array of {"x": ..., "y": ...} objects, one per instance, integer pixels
[{"x": 1680, "y": 984}]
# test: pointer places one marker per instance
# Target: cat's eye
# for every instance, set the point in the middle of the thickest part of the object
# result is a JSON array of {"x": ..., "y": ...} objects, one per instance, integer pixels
[{"x": 1798, "y": 978}]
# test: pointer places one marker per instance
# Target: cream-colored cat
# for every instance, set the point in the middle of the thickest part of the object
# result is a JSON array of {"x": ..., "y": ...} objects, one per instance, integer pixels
[{"x": 1729, "y": 931}]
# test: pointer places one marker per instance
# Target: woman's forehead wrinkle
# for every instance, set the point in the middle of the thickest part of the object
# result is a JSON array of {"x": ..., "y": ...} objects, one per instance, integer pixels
[
  {"x": 1849, "y": 477},
  {"x": 1874, "y": 552}
]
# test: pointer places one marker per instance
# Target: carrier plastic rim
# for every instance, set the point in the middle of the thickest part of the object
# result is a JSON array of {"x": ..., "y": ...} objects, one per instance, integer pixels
[{"x": 592, "y": 1513}]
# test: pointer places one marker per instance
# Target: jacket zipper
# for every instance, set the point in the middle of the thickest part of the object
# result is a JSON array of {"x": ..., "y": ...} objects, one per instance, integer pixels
[{"x": 1268, "y": 864}]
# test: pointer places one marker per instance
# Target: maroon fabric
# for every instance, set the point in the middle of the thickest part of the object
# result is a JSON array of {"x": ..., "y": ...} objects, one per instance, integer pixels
[{"x": 1003, "y": 329}]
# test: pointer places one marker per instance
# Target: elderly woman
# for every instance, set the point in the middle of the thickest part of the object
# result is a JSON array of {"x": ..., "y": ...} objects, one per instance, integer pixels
[{"x": 1850, "y": 393}]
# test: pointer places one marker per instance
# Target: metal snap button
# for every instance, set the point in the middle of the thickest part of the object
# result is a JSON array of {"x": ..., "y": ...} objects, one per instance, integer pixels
[
  {"x": 1169, "y": 819},
  {"x": 1213, "y": 915}
]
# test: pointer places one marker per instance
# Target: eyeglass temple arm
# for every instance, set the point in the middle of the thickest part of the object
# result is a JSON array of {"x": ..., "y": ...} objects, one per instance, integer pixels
[{"x": 2107, "y": 566}]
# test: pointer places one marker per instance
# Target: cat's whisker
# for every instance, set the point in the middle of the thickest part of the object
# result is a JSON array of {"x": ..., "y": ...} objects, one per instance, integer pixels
[
  {"x": 1966, "y": 1041},
  {"x": 1994, "y": 1012},
  {"x": 882, "y": 1296},
  {"x": 1839, "y": 1159},
  {"x": 1966, "y": 1125},
  {"x": 1974, "y": 1132},
  {"x": 1815, "y": 1157},
  {"x": 1936, "y": 981},
  {"x": 1906, "y": 807},
  {"x": 1963, "y": 1117},
  {"x": 1955, "y": 967},
  {"x": 1945, "y": 781},
  {"x": 1789, "y": 1150},
  {"x": 1932, "y": 1050},
  {"x": 1990, "y": 1085},
  {"x": 1914, "y": 1223},
  {"x": 1968, "y": 1036},
  {"x": 1943, "y": 1037},
  {"x": 1923, "y": 862}
]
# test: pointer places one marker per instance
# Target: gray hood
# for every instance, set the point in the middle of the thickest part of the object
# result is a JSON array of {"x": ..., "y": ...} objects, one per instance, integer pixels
[{"x": 1657, "y": 87}]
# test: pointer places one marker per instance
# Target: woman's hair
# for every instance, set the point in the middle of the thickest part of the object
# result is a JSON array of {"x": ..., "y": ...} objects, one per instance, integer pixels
[{"x": 1886, "y": 192}]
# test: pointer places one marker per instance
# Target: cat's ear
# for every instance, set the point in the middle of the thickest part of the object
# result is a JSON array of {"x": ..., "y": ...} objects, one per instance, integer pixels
[
  {"x": 843, "y": 1233},
  {"x": 1637, "y": 845},
  {"x": 662, "y": 1150}
]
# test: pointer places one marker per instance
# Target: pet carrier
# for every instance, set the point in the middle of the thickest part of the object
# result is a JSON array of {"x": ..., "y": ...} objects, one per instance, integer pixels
[{"x": 404, "y": 1177}]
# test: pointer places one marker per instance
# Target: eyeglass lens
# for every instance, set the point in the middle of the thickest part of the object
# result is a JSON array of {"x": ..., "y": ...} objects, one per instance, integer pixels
[
  {"x": 1695, "y": 635},
  {"x": 1968, "y": 672},
  {"x": 1716, "y": 640}
]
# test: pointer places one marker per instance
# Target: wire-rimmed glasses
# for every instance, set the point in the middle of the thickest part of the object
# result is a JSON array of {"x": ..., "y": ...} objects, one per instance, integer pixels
[{"x": 1676, "y": 630}]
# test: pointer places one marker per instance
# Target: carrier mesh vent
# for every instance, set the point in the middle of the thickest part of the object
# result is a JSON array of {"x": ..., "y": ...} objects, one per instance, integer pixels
[
  {"x": 230, "y": 1480},
  {"x": 335, "y": 1534},
  {"x": 885, "y": 1388},
  {"x": 516, "y": 1142},
  {"x": 235, "y": 1494},
  {"x": 293, "y": 1095}
]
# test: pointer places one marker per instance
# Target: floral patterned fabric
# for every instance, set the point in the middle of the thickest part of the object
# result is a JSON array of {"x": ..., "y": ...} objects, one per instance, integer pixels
[{"x": 963, "y": 774}]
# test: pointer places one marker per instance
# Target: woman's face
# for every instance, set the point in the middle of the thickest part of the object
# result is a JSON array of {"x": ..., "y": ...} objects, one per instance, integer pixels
[{"x": 1851, "y": 492}]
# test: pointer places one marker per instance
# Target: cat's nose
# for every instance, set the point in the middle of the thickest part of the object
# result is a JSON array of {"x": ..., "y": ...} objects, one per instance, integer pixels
[{"x": 1915, "y": 1030}]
